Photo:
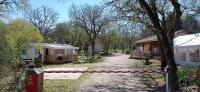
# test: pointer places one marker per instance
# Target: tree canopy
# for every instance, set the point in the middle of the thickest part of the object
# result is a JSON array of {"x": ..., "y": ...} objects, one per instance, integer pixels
[
  {"x": 43, "y": 18},
  {"x": 90, "y": 18}
]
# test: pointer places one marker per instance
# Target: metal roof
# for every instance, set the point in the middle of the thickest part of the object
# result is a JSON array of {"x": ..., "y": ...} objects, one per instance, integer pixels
[
  {"x": 187, "y": 40},
  {"x": 60, "y": 46},
  {"x": 148, "y": 39}
]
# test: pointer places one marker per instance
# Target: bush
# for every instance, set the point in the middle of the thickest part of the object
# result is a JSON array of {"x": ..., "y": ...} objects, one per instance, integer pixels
[
  {"x": 89, "y": 59},
  {"x": 115, "y": 51},
  {"x": 197, "y": 82},
  {"x": 127, "y": 51},
  {"x": 12, "y": 78},
  {"x": 185, "y": 77}
]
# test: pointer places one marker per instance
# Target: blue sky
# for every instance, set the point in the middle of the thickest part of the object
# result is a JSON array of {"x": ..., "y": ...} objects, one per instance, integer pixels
[{"x": 61, "y": 6}]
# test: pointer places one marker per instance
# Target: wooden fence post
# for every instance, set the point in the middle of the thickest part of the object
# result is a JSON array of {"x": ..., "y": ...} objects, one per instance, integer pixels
[{"x": 166, "y": 75}]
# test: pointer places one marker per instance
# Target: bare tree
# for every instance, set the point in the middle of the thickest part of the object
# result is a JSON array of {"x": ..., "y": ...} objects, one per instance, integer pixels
[
  {"x": 108, "y": 37},
  {"x": 90, "y": 18},
  {"x": 7, "y": 6},
  {"x": 153, "y": 14},
  {"x": 43, "y": 18}
]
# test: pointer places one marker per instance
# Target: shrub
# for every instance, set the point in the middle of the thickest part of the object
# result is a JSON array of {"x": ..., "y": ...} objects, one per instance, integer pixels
[
  {"x": 127, "y": 51},
  {"x": 197, "y": 82},
  {"x": 185, "y": 77},
  {"x": 115, "y": 51}
]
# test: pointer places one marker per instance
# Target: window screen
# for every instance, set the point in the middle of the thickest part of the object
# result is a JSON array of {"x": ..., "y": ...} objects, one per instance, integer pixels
[
  {"x": 58, "y": 51},
  {"x": 194, "y": 54},
  {"x": 182, "y": 54}
]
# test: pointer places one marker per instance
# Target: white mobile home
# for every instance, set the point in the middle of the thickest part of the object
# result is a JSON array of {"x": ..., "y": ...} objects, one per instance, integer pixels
[
  {"x": 60, "y": 53},
  {"x": 50, "y": 53}
]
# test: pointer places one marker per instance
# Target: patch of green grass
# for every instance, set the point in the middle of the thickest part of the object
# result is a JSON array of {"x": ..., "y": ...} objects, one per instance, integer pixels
[
  {"x": 71, "y": 85},
  {"x": 155, "y": 64},
  {"x": 138, "y": 64},
  {"x": 150, "y": 79},
  {"x": 81, "y": 63},
  {"x": 64, "y": 85}
]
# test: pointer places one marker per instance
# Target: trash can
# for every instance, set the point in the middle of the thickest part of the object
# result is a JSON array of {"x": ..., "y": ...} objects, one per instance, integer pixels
[{"x": 34, "y": 80}]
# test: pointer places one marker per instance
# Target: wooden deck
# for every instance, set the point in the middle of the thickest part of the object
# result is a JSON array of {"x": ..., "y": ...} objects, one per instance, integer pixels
[{"x": 138, "y": 55}]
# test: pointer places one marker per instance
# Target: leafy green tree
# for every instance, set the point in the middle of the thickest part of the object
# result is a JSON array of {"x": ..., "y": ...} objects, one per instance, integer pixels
[
  {"x": 61, "y": 33},
  {"x": 79, "y": 38},
  {"x": 7, "y": 45},
  {"x": 66, "y": 33},
  {"x": 24, "y": 34},
  {"x": 13, "y": 38},
  {"x": 108, "y": 39},
  {"x": 90, "y": 18}
]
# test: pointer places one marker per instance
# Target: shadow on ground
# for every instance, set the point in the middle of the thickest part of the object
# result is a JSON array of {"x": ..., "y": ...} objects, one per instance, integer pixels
[{"x": 128, "y": 84}]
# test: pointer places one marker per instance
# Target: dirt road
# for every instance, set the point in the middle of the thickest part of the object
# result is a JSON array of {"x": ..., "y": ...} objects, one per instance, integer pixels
[{"x": 112, "y": 82}]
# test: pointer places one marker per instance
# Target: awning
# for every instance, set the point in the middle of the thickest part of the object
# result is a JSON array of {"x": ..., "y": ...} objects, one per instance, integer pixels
[
  {"x": 60, "y": 46},
  {"x": 187, "y": 40}
]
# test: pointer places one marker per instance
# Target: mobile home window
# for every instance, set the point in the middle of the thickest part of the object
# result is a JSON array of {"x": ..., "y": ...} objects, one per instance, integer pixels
[
  {"x": 46, "y": 51},
  {"x": 58, "y": 51},
  {"x": 182, "y": 54},
  {"x": 194, "y": 54},
  {"x": 70, "y": 51},
  {"x": 155, "y": 49},
  {"x": 24, "y": 52}
]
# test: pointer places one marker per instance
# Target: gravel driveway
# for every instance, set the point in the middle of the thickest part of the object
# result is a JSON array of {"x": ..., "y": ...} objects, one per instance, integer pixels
[{"x": 112, "y": 82}]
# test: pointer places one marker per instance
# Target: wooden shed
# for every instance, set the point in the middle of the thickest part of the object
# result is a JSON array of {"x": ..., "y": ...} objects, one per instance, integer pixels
[
  {"x": 148, "y": 45},
  {"x": 59, "y": 53}
]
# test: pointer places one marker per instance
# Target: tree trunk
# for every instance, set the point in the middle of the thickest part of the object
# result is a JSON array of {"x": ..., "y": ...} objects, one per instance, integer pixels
[
  {"x": 93, "y": 47},
  {"x": 107, "y": 50},
  {"x": 122, "y": 47},
  {"x": 162, "y": 55},
  {"x": 79, "y": 50},
  {"x": 86, "y": 48},
  {"x": 168, "y": 51}
]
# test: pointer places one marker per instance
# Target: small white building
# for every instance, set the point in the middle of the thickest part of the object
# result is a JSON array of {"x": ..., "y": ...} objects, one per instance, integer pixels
[
  {"x": 186, "y": 50},
  {"x": 32, "y": 51}
]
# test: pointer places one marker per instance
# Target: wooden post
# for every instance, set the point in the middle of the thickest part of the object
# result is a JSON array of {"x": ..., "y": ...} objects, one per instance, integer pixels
[{"x": 166, "y": 75}]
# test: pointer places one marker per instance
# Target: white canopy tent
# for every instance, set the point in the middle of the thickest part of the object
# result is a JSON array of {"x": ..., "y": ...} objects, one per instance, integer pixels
[{"x": 186, "y": 49}]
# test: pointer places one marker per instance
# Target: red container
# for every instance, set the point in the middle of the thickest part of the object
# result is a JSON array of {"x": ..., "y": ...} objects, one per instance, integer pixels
[{"x": 34, "y": 80}]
